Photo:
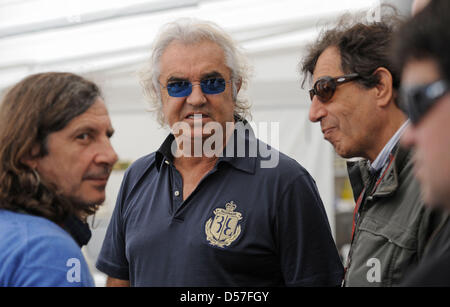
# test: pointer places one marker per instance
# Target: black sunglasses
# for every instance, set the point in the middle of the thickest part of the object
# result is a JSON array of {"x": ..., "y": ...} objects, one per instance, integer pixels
[
  {"x": 416, "y": 101},
  {"x": 325, "y": 87},
  {"x": 183, "y": 88}
]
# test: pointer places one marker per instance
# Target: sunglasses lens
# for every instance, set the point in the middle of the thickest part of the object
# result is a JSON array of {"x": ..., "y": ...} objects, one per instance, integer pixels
[
  {"x": 213, "y": 85},
  {"x": 179, "y": 88},
  {"x": 416, "y": 101},
  {"x": 184, "y": 88},
  {"x": 408, "y": 107},
  {"x": 417, "y": 106},
  {"x": 324, "y": 89}
]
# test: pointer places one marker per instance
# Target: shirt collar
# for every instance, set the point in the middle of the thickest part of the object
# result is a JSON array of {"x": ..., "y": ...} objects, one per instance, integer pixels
[
  {"x": 233, "y": 154},
  {"x": 164, "y": 153},
  {"x": 244, "y": 161},
  {"x": 383, "y": 156}
]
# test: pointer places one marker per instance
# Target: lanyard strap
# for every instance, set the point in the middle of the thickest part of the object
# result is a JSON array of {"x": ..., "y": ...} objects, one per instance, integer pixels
[
  {"x": 355, "y": 211},
  {"x": 357, "y": 207},
  {"x": 361, "y": 196}
]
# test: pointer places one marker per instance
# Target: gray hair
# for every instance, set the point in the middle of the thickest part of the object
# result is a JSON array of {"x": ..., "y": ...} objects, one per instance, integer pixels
[{"x": 191, "y": 31}]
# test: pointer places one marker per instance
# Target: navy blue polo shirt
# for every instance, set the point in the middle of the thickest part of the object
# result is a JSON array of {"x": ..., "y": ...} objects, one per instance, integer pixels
[{"x": 243, "y": 225}]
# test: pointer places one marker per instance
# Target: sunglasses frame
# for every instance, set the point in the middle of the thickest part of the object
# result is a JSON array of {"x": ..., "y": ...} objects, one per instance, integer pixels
[
  {"x": 333, "y": 83},
  {"x": 192, "y": 84},
  {"x": 416, "y": 101}
]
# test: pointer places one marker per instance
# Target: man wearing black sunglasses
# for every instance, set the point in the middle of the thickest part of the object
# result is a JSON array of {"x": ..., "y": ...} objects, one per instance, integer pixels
[
  {"x": 423, "y": 55},
  {"x": 354, "y": 98},
  {"x": 187, "y": 218}
]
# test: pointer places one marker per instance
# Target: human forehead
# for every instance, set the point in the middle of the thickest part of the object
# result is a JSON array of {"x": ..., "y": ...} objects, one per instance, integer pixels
[
  {"x": 96, "y": 117},
  {"x": 328, "y": 64},
  {"x": 419, "y": 72},
  {"x": 192, "y": 61}
]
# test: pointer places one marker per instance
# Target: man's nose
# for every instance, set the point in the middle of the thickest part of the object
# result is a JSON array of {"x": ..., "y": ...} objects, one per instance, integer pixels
[
  {"x": 197, "y": 97},
  {"x": 317, "y": 110},
  {"x": 106, "y": 154}
]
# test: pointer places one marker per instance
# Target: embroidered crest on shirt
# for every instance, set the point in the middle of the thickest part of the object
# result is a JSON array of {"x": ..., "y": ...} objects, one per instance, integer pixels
[{"x": 224, "y": 228}]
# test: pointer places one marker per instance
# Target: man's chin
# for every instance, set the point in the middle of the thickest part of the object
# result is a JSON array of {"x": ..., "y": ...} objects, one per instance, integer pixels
[
  {"x": 342, "y": 152},
  {"x": 88, "y": 205}
]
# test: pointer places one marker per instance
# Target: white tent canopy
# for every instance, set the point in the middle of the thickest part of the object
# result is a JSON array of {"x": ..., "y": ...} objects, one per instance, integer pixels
[{"x": 86, "y": 36}]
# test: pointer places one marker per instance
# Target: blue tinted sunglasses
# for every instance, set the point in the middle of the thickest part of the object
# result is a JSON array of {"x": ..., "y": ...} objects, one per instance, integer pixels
[{"x": 183, "y": 88}]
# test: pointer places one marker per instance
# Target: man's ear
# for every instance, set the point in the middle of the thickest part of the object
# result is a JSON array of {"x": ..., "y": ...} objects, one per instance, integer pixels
[
  {"x": 239, "y": 85},
  {"x": 31, "y": 158},
  {"x": 384, "y": 89}
]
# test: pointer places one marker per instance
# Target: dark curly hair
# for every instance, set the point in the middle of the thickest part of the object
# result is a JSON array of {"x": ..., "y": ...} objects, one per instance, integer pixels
[
  {"x": 364, "y": 46},
  {"x": 426, "y": 35},
  {"x": 30, "y": 111}
]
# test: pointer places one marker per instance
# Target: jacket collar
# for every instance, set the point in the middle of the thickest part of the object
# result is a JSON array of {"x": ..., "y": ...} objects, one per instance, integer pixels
[{"x": 359, "y": 173}]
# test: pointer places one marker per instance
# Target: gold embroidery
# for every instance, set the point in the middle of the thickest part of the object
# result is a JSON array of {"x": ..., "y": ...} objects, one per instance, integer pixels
[{"x": 224, "y": 229}]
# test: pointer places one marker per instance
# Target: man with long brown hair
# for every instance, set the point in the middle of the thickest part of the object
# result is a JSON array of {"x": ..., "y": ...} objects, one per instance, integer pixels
[{"x": 55, "y": 160}]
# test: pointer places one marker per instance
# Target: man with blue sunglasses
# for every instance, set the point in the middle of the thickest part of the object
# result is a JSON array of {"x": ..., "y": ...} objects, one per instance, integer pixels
[
  {"x": 196, "y": 215},
  {"x": 423, "y": 55}
]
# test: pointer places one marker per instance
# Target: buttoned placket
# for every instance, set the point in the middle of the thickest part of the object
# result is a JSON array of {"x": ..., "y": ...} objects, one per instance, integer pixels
[
  {"x": 176, "y": 186},
  {"x": 177, "y": 189}
]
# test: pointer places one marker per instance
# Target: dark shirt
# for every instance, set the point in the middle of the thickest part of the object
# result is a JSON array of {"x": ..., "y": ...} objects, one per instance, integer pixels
[{"x": 243, "y": 225}]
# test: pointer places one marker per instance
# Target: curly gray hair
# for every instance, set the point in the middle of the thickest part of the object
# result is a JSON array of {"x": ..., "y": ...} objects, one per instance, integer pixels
[{"x": 191, "y": 31}]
